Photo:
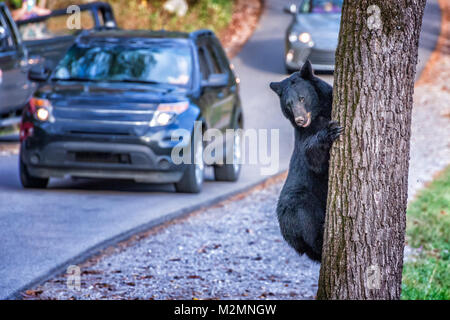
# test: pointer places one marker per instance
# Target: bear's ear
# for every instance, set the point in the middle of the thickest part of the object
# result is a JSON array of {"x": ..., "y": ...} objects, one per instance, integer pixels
[
  {"x": 307, "y": 71},
  {"x": 276, "y": 87}
]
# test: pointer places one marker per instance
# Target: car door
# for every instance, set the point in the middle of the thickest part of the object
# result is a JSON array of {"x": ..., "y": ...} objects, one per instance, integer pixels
[
  {"x": 222, "y": 107},
  {"x": 230, "y": 91},
  {"x": 208, "y": 95},
  {"x": 14, "y": 84}
]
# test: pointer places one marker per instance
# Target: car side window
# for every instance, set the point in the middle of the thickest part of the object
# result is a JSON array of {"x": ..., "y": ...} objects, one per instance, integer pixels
[
  {"x": 305, "y": 6},
  {"x": 222, "y": 58},
  {"x": 216, "y": 66},
  {"x": 203, "y": 61},
  {"x": 6, "y": 41}
]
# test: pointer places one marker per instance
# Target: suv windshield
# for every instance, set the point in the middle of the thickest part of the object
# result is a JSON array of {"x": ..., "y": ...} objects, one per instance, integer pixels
[
  {"x": 155, "y": 63},
  {"x": 322, "y": 6}
]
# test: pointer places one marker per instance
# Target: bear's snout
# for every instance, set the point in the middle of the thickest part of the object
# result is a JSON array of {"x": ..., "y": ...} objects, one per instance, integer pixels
[{"x": 303, "y": 121}]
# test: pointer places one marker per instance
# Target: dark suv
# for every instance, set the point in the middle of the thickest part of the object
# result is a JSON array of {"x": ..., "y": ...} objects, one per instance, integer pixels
[{"x": 113, "y": 103}]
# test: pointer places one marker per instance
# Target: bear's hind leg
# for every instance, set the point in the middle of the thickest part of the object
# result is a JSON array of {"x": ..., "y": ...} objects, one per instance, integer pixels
[
  {"x": 312, "y": 231},
  {"x": 301, "y": 229}
]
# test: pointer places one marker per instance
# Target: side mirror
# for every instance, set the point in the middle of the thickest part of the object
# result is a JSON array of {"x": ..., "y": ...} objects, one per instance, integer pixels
[
  {"x": 292, "y": 9},
  {"x": 216, "y": 80},
  {"x": 38, "y": 74}
]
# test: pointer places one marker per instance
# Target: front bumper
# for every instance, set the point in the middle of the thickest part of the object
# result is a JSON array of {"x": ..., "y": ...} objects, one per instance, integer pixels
[
  {"x": 322, "y": 60},
  {"x": 107, "y": 160}
]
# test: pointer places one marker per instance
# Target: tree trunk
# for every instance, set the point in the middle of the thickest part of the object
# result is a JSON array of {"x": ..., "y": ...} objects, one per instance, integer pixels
[{"x": 367, "y": 196}]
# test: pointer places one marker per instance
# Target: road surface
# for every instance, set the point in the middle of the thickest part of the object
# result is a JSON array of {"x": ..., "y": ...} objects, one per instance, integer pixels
[{"x": 43, "y": 231}]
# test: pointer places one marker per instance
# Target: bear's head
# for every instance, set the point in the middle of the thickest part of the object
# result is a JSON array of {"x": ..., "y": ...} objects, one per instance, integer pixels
[{"x": 303, "y": 97}]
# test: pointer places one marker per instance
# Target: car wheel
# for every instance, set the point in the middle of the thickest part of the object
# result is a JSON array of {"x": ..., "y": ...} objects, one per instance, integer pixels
[
  {"x": 29, "y": 181},
  {"x": 193, "y": 176},
  {"x": 231, "y": 172}
]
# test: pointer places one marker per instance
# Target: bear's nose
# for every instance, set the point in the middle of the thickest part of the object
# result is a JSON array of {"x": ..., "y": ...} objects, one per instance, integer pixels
[{"x": 300, "y": 120}]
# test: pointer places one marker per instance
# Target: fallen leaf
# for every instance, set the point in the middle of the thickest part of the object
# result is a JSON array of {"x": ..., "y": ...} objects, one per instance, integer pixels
[
  {"x": 91, "y": 272},
  {"x": 145, "y": 277},
  {"x": 175, "y": 259},
  {"x": 33, "y": 293}
]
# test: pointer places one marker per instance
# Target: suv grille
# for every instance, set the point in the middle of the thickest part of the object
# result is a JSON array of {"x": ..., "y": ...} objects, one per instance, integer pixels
[
  {"x": 322, "y": 57},
  {"x": 100, "y": 157}
]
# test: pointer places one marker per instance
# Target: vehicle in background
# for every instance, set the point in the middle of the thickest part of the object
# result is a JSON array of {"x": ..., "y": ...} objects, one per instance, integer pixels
[
  {"x": 37, "y": 41},
  {"x": 112, "y": 104},
  {"x": 313, "y": 34},
  {"x": 47, "y": 38},
  {"x": 15, "y": 89}
]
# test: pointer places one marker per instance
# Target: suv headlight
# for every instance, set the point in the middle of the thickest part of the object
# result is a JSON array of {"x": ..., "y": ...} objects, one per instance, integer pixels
[
  {"x": 167, "y": 112},
  {"x": 304, "y": 37},
  {"x": 41, "y": 109},
  {"x": 293, "y": 37}
]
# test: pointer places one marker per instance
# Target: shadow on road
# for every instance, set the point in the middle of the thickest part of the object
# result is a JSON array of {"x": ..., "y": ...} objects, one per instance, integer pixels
[{"x": 9, "y": 180}]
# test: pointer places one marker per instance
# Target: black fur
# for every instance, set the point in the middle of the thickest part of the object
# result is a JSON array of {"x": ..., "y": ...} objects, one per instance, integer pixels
[{"x": 302, "y": 203}]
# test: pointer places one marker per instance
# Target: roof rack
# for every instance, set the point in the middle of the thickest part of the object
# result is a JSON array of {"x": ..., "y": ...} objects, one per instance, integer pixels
[{"x": 201, "y": 33}]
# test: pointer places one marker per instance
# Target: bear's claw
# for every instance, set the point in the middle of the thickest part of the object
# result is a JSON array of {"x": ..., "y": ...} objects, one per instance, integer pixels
[{"x": 332, "y": 132}]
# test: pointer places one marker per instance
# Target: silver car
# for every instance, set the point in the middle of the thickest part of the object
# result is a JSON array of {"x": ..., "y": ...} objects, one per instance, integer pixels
[{"x": 313, "y": 34}]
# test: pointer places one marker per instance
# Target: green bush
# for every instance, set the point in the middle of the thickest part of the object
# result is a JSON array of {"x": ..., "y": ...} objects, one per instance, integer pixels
[
  {"x": 13, "y": 3},
  {"x": 149, "y": 14}
]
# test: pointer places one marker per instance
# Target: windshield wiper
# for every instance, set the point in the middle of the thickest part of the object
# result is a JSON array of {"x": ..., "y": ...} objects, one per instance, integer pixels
[
  {"x": 167, "y": 88},
  {"x": 134, "y": 81},
  {"x": 76, "y": 79}
]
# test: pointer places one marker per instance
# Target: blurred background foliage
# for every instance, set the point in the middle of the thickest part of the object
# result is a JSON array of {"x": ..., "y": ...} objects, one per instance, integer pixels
[
  {"x": 150, "y": 14},
  {"x": 13, "y": 3}
]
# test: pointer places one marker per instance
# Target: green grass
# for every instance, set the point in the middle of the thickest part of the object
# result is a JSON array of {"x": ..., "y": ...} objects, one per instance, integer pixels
[{"x": 428, "y": 227}]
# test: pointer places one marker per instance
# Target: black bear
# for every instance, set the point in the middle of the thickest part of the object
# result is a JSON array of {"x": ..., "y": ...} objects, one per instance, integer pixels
[{"x": 306, "y": 102}]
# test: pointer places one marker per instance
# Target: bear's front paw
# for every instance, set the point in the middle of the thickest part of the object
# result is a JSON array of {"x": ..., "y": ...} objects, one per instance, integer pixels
[{"x": 331, "y": 132}]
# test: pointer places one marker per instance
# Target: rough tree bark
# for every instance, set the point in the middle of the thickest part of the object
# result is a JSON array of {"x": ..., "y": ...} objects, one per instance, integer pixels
[{"x": 373, "y": 96}]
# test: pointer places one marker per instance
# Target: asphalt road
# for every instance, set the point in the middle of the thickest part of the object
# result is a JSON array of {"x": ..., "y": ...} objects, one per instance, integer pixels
[{"x": 44, "y": 231}]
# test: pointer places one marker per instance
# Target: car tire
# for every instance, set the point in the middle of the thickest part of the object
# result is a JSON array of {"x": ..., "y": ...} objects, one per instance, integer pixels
[
  {"x": 193, "y": 176},
  {"x": 28, "y": 181},
  {"x": 231, "y": 172}
]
